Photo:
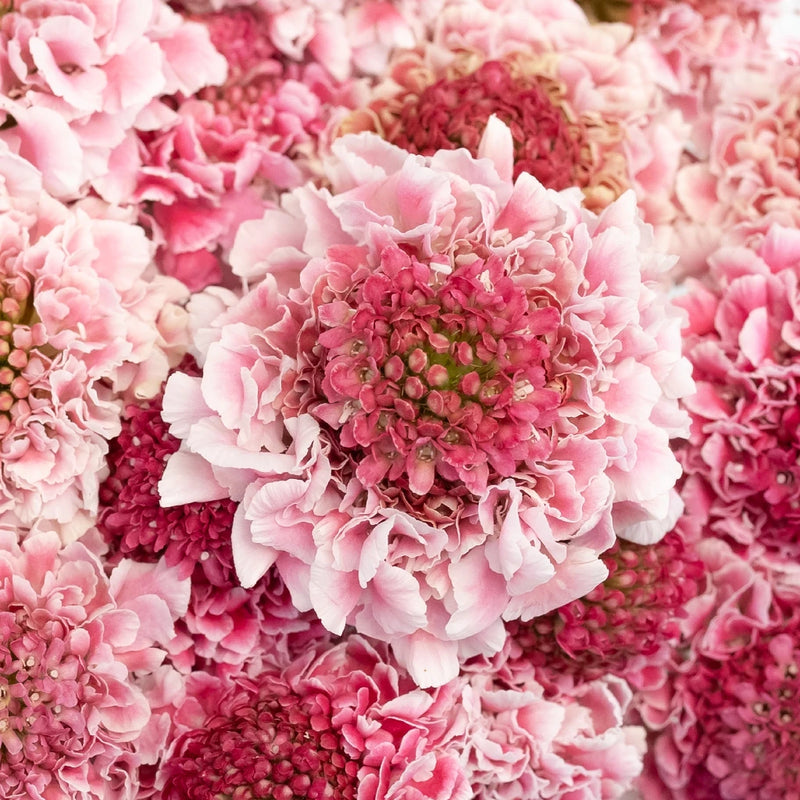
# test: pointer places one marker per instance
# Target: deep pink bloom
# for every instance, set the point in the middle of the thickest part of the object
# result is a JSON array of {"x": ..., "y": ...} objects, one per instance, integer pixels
[
  {"x": 625, "y": 624},
  {"x": 726, "y": 717},
  {"x": 741, "y": 458},
  {"x": 447, "y": 396},
  {"x": 342, "y": 722},
  {"x": 131, "y": 517},
  {"x": 73, "y": 718}
]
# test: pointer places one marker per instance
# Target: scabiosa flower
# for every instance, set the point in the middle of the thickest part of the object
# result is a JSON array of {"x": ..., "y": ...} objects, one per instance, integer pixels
[
  {"x": 445, "y": 380},
  {"x": 725, "y": 718},
  {"x": 82, "y": 325},
  {"x": 522, "y": 738},
  {"x": 749, "y": 166},
  {"x": 541, "y": 74},
  {"x": 345, "y": 37},
  {"x": 71, "y": 712},
  {"x": 264, "y": 740},
  {"x": 342, "y": 722},
  {"x": 626, "y": 623},
  {"x": 78, "y": 79},
  {"x": 742, "y": 456}
]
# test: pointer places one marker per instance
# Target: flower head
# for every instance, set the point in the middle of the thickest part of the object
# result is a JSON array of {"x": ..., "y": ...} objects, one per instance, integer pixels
[
  {"x": 263, "y": 741},
  {"x": 340, "y": 722},
  {"x": 626, "y": 622},
  {"x": 742, "y": 455},
  {"x": 82, "y": 326},
  {"x": 437, "y": 385},
  {"x": 558, "y": 93},
  {"x": 77, "y": 79},
  {"x": 70, "y": 638},
  {"x": 725, "y": 717}
]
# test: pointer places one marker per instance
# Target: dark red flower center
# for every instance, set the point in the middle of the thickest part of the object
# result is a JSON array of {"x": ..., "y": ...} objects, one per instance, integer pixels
[
  {"x": 268, "y": 744},
  {"x": 453, "y": 113}
]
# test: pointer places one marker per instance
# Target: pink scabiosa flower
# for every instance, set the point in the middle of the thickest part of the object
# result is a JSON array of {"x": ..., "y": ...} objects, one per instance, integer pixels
[
  {"x": 725, "y": 718},
  {"x": 74, "y": 642},
  {"x": 523, "y": 738},
  {"x": 441, "y": 380},
  {"x": 554, "y": 79},
  {"x": 340, "y": 723},
  {"x": 625, "y": 624},
  {"x": 749, "y": 166},
  {"x": 741, "y": 458},
  {"x": 232, "y": 149},
  {"x": 80, "y": 327},
  {"x": 78, "y": 78}
]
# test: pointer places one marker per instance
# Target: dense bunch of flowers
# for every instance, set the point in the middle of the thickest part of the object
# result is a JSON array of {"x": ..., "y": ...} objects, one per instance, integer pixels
[{"x": 398, "y": 399}]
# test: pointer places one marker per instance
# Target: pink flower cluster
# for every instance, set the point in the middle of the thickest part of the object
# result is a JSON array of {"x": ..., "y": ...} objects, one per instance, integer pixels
[
  {"x": 440, "y": 380},
  {"x": 74, "y": 719},
  {"x": 361, "y": 437}
]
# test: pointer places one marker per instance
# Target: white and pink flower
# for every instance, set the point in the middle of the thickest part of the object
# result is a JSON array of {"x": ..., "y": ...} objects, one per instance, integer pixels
[
  {"x": 73, "y": 720},
  {"x": 85, "y": 324},
  {"x": 443, "y": 398},
  {"x": 78, "y": 78}
]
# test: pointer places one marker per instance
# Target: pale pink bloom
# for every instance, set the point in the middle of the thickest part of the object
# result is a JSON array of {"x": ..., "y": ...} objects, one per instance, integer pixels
[
  {"x": 570, "y": 745},
  {"x": 85, "y": 325},
  {"x": 77, "y": 78},
  {"x": 346, "y": 37},
  {"x": 750, "y": 172},
  {"x": 74, "y": 642},
  {"x": 446, "y": 397},
  {"x": 579, "y": 101}
]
